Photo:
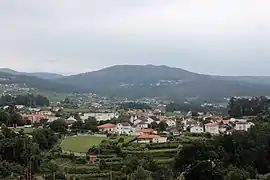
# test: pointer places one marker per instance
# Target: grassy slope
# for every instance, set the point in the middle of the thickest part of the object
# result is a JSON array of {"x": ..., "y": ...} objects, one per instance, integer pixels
[{"x": 83, "y": 143}]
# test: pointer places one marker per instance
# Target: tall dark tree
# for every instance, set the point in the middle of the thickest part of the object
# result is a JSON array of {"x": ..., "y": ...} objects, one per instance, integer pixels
[
  {"x": 59, "y": 126},
  {"x": 91, "y": 124},
  {"x": 203, "y": 170},
  {"x": 45, "y": 138},
  {"x": 163, "y": 173},
  {"x": 162, "y": 126}
]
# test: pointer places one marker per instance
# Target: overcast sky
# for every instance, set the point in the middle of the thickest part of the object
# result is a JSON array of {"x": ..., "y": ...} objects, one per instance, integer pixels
[{"x": 226, "y": 37}]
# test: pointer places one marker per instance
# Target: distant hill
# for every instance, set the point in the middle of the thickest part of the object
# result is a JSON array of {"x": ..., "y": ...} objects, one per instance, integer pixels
[
  {"x": 43, "y": 75},
  {"x": 249, "y": 79},
  {"x": 137, "y": 81},
  {"x": 35, "y": 82}
]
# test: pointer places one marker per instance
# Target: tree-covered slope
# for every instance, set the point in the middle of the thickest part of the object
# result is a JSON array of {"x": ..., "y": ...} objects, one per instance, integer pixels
[{"x": 161, "y": 81}]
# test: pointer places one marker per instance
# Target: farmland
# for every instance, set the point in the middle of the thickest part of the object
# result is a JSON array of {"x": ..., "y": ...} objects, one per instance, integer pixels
[
  {"x": 26, "y": 130},
  {"x": 83, "y": 143}
]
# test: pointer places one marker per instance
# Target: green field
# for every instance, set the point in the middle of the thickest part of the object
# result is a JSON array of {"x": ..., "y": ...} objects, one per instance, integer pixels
[
  {"x": 54, "y": 97},
  {"x": 25, "y": 130},
  {"x": 80, "y": 143},
  {"x": 83, "y": 143},
  {"x": 71, "y": 110}
]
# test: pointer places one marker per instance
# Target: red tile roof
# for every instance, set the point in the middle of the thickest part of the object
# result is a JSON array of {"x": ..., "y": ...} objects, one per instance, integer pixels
[
  {"x": 108, "y": 125},
  {"x": 146, "y": 136},
  {"x": 33, "y": 115},
  {"x": 223, "y": 121}
]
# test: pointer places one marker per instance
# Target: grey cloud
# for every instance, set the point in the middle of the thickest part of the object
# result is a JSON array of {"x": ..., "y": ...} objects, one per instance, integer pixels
[{"x": 219, "y": 37}]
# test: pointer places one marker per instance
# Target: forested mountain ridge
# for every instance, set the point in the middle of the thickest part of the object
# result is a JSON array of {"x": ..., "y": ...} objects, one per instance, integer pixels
[
  {"x": 42, "y": 75},
  {"x": 135, "y": 81},
  {"x": 24, "y": 81}
]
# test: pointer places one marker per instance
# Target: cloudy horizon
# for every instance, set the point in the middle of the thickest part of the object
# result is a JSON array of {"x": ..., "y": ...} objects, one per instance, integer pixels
[{"x": 223, "y": 37}]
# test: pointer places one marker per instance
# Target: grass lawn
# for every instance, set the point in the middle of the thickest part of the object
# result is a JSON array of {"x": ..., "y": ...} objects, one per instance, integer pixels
[
  {"x": 83, "y": 143},
  {"x": 71, "y": 110},
  {"x": 80, "y": 143},
  {"x": 26, "y": 130},
  {"x": 54, "y": 97}
]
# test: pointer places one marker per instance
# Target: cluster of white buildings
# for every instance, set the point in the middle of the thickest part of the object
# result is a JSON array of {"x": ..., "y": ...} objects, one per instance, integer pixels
[
  {"x": 100, "y": 116},
  {"x": 218, "y": 126}
]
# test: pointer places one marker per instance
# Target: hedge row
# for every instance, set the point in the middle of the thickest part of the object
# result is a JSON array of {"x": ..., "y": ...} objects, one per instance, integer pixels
[
  {"x": 165, "y": 161},
  {"x": 115, "y": 159},
  {"x": 89, "y": 176},
  {"x": 106, "y": 156},
  {"x": 167, "y": 145},
  {"x": 157, "y": 153},
  {"x": 84, "y": 170}
]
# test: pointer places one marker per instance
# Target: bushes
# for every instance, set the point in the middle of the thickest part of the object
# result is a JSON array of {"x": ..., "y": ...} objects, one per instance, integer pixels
[
  {"x": 167, "y": 145},
  {"x": 89, "y": 176},
  {"x": 154, "y": 153},
  {"x": 84, "y": 170}
]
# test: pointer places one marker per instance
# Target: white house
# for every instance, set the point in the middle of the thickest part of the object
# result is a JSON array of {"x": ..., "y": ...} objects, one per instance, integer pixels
[
  {"x": 243, "y": 126},
  {"x": 141, "y": 125},
  {"x": 190, "y": 123},
  {"x": 171, "y": 123},
  {"x": 131, "y": 120},
  {"x": 196, "y": 129},
  {"x": 150, "y": 136},
  {"x": 149, "y": 120},
  {"x": 70, "y": 120},
  {"x": 212, "y": 128},
  {"x": 124, "y": 128},
  {"x": 107, "y": 128},
  {"x": 99, "y": 116},
  {"x": 46, "y": 112},
  {"x": 222, "y": 128},
  {"x": 137, "y": 121},
  {"x": 151, "y": 139},
  {"x": 237, "y": 120}
]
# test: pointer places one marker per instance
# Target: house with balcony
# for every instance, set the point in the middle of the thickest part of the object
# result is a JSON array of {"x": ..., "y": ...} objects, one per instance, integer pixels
[
  {"x": 108, "y": 128},
  {"x": 212, "y": 128},
  {"x": 243, "y": 126},
  {"x": 124, "y": 128},
  {"x": 196, "y": 129},
  {"x": 150, "y": 136}
]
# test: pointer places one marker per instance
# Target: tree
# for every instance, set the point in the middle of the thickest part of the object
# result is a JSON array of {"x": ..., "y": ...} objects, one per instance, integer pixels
[
  {"x": 236, "y": 174},
  {"x": 203, "y": 170},
  {"x": 59, "y": 126},
  {"x": 130, "y": 164},
  {"x": 154, "y": 125},
  {"x": 77, "y": 126},
  {"x": 7, "y": 169},
  {"x": 141, "y": 174},
  {"x": 148, "y": 163},
  {"x": 3, "y": 117},
  {"x": 91, "y": 124},
  {"x": 77, "y": 117},
  {"x": 14, "y": 118},
  {"x": 163, "y": 173},
  {"x": 27, "y": 100},
  {"x": 45, "y": 138},
  {"x": 162, "y": 126}
]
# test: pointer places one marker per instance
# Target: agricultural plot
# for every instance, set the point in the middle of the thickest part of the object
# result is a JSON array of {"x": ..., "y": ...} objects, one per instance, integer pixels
[
  {"x": 25, "y": 129},
  {"x": 83, "y": 143},
  {"x": 80, "y": 143}
]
